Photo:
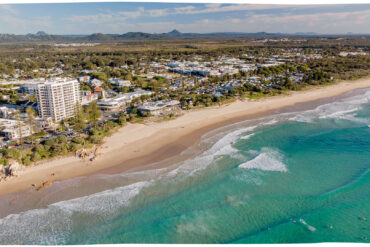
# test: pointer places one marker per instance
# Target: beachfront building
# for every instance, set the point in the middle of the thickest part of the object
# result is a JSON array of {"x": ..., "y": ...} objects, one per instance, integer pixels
[
  {"x": 57, "y": 99},
  {"x": 13, "y": 129},
  {"x": 121, "y": 100},
  {"x": 161, "y": 107}
]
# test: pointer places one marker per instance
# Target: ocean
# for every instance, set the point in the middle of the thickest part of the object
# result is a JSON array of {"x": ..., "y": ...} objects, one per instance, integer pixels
[{"x": 299, "y": 176}]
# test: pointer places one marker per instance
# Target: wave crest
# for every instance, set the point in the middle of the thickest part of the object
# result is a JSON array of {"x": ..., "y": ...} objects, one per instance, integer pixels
[{"x": 267, "y": 160}]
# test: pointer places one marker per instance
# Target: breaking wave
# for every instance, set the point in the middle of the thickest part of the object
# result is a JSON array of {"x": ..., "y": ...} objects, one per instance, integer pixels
[
  {"x": 267, "y": 160},
  {"x": 342, "y": 109},
  {"x": 53, "y": 224}
]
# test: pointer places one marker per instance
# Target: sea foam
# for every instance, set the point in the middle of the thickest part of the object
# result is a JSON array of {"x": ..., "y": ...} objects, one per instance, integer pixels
[
  {"x": 220, "y": 148},
  {"x": 267, "y": 160},
  {"x": 342, "y": 109},
  {"x": 53, "y": 224}
]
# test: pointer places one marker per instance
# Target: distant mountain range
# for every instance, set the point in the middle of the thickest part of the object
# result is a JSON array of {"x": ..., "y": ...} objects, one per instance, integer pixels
[{"x": 99, "y": 37}]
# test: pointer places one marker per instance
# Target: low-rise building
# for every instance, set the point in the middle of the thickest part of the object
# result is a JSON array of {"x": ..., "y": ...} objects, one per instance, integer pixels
[
  {"x": 96, "y": 83},
  {"x": 121, "y": 100},
  {"x": 30, "y": 88},
  {"x": 86, "y": 97},
  {"x": 14, "y": 129},
  {"x": 99, "y": 91},
  {"x": 5, "y": 112},
  {"x": 84, "y": 78},
  {"x": 162, "y": 107},
  {"x": 119, "y": 82}
]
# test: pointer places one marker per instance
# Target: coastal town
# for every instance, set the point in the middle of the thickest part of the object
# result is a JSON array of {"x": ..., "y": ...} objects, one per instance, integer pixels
[
  {"x": 169, "y": 122},
  {"x": 64, "y": 107}
]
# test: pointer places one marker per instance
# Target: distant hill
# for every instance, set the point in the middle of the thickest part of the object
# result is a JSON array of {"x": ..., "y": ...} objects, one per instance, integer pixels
[{"x": 41, "y": 36}]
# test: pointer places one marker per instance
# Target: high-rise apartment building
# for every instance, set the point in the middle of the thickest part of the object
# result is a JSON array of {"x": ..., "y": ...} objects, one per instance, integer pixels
[{"x": 57, "y": 99}]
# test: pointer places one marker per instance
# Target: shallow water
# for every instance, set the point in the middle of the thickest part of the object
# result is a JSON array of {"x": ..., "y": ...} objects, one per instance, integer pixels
[{"x": 289, "y": 178}]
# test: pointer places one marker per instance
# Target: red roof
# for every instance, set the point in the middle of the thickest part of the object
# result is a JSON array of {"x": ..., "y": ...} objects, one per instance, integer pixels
[{"x": 98, "y": 89}]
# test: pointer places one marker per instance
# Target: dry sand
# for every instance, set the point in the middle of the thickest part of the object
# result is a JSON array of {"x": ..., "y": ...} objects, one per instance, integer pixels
[{"x": 137, "y": 145}]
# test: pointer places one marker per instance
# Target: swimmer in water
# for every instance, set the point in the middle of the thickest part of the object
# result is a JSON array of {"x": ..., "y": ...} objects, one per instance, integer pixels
[{"x": 293, "y": 220}]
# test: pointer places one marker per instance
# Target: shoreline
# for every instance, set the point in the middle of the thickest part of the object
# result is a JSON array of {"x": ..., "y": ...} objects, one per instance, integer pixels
[{"x": 136, "y": 146}]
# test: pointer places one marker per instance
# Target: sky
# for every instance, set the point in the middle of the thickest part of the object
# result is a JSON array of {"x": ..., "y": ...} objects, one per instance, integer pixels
[{"x": 122, "y": 17}]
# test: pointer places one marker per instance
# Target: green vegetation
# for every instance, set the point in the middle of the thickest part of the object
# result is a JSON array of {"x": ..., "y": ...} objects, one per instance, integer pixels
[
  {"x": 62, "y": 145},
  {"x": 130, "y": 60}
]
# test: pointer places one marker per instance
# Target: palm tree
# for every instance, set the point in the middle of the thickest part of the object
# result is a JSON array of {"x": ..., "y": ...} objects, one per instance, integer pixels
[
  {"x": 94, "y": 113},
  {"x": 19, "y": 126},
  {"x": 31, "y": 113},
  {"x": 79, "y": 122}
]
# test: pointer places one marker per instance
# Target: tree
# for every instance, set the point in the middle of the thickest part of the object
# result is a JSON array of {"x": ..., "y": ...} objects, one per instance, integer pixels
[
  {"x": 79, "y": 124},
  {"x": 26, "y": 160},
  {"x": 122, "y": 119},
  {"x": 94, "y": 113},
  {"x": 35, "y": 157},
  {"x": 19, "y": 126},
  {"x": 31, "y": 113}
]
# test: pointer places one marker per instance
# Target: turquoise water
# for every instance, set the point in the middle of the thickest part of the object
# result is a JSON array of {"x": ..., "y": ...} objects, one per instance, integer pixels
[{"x": 290, "y": 178}]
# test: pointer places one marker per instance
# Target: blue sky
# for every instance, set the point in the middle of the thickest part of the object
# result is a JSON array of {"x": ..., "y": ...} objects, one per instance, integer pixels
[{"x": 87, "y": 18}]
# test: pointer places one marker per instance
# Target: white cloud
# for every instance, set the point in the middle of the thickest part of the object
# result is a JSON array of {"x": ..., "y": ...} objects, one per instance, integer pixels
[
  {"x": 158, "y": 12},
  {"x": 8, "y": 8},
  {"x": 358, "y": 21},
  {"x": 218, "y": 8},
  {"x": 107, "y": 17},
  {"x": 324, "y": 20},
  {"x": 21, "y": 25},
  {"x": 185, "y": 10}
]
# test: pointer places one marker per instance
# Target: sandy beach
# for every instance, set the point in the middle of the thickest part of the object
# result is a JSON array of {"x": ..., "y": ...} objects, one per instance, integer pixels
[{"x": 137, "y": 145}]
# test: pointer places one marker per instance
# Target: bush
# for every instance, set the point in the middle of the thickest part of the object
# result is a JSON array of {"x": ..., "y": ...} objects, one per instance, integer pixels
[
  {"x": 78, "y": 140},
  {"x": 96, "y": 139},
  {"x": 50, "y": 142},
  {"x": 72, "y": 147},
  {"x": 38, "y": 148},
  {"x": 121, "y": 119},
  {"x": 13, "y": 154},
  {"x": 26, "y": 160},
  {"x": 62, "y": 139},
  {"x": 35, "y": 157},
  {"x": 134, "y": 111}
]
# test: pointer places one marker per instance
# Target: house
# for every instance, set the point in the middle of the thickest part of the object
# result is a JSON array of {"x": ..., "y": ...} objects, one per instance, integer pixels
[
  {"x": 86, "y": 97},
  {"x": 119, "y": 82},
  {"x": 96, "y": 83},
  {"x": 5, "y": 112},
  {"x": 99, "y": 91},
  {"x": 254, "y": 79},
  {"x": 84, "y": 79},
  {"x": 13, "y": 129}
]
